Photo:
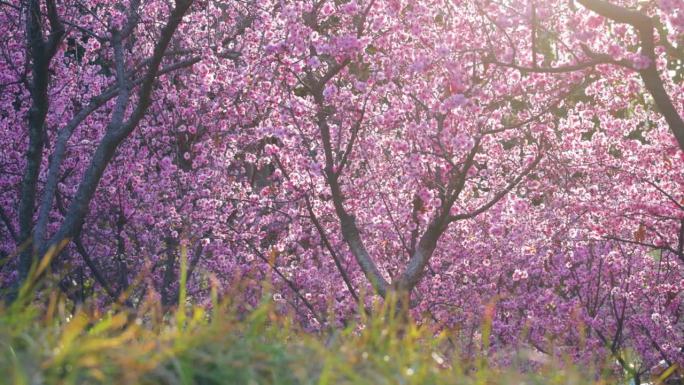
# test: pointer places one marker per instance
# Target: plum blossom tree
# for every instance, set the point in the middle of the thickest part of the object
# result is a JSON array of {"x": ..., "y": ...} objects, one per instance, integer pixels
[
  {"x": 616, "y": 39},
  {"x": 471, "y": 154},
  {"x": 441, "y": 137},
  {"x": 112, "y": 72}
]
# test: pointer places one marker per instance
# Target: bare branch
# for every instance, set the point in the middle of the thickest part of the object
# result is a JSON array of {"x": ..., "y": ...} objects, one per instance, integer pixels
[{"x": 501, "y": 193}]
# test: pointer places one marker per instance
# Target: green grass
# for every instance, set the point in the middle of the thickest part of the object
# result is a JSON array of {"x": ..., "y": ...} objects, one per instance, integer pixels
[{"x": 43, "y": 342}]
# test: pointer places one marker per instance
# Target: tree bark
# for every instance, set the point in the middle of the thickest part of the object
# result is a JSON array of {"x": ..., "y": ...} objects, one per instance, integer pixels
[
  {"x": 117, "y": 131},
  {"x": 41, "y": 52}
]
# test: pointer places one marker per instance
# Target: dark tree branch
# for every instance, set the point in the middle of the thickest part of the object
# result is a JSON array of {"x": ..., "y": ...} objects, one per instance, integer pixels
[
  {"x": 331, "y": 250},
  {"x": 101, "y": 280},
  {"x": 326, "y": 241},
  {"x": 118, "y": 130},
  {"x": 428, "y": 241},
  {"x": 350, "y": 231},
  {"x": 501, "y": 193},
  {"x": 644, "y": 25},
  {"x": 57, "y": 29},
  {"x": 289, "y": 283},
  {"x": 678, "y": 253},
  {"x": 41, "y": 53},
  {"x": 64, "y": 135},
  {"x": 562, "y": 69},
  {"x": 8, "y": 223}
]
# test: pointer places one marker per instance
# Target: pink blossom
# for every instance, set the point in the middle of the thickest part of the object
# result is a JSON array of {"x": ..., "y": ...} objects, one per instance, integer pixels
[
  {"x": 327, "y": 9},
  {"x": 496, "y": 231},
  {"x": 640, "y": 62},
  {"x": 519, "y": 275},
  {"x": 329, "y": 92}
]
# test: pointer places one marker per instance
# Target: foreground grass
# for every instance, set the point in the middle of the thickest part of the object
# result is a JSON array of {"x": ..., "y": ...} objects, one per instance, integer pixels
[
  {"x": 120, "y": 347},
  {"x": 41, "y": 342}
]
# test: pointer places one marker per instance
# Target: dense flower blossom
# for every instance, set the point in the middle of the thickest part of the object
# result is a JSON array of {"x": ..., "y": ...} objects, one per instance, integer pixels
[{"x": 523, "y": 157}]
